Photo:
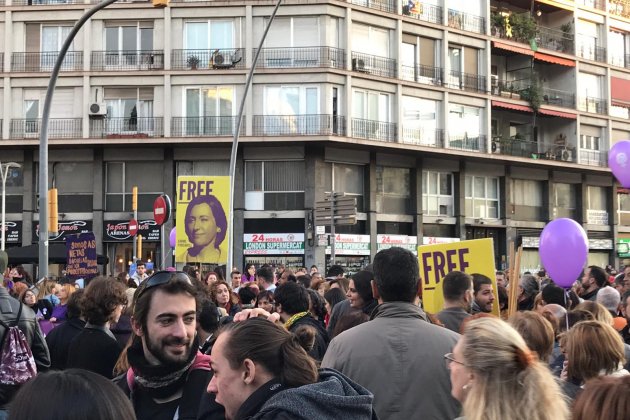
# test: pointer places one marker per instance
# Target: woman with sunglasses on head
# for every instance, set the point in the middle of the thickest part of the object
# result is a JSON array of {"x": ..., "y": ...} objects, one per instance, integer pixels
[
  {"x": 262, "y": 371},
  {"x": 496, "y": 376}
]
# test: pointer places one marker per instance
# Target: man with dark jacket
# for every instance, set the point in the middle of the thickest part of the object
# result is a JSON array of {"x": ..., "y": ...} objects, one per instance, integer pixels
[
  {"x": 292, "y": 306},
  {"x": 61, "y": 336},
  {"x": 398, "y": 355},
  {"x": 457, "y": 288},
  {"x": 9, "y": 309}
]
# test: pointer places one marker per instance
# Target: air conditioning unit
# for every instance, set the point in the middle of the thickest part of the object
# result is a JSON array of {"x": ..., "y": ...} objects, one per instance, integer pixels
[
  {"x": 566, "y": 155},
  {"x": 358, "y": 64},
  {"x": 223, "y": 60},
  {"x": 496, "y": 147},
  {"x": 98, "y": 108}
]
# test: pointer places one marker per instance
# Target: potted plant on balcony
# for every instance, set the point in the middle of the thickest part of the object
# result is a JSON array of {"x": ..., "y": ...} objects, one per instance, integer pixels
[
  {"x": 567, "y": 37},
  {"x": 524, "y": 27},
  {"x": 193, "y": 62},
  {"x": 497, "y": 22}
]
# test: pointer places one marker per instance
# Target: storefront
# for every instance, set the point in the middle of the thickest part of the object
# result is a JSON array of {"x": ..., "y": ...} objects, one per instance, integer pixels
[
  {"x": 402, "y": 241},
  {"x": 67, "y": 227},
  {"x": 13, "y": 233},
  {"x": 598, "y": 253},
  {"x": 274, "y": 249},
  {"x": 352, "y": 252},
  {"x": 623, "y": 250},
  {"x": 118, "y": 243}
]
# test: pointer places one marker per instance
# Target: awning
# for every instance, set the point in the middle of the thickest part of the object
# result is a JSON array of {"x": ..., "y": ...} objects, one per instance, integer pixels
[
  {"x": 554, "y": 60},
  {"x": 619, "y": 90},
  {"x": 514, "y": 107},
  {"x": 513, "y": 48},
  {"x": 560, "y": 114}
]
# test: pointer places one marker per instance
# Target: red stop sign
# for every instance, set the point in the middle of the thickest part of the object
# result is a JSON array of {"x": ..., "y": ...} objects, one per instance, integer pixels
[
  {"x": 161, "y": 209},
  {"x": 133, "y": 227}
]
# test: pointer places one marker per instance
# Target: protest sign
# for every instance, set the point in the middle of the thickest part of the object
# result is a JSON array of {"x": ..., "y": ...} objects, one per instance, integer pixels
[{"x": 81, "y": 256}]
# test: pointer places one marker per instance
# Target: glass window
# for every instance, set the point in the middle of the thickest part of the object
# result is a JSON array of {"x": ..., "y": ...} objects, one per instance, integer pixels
[
  {"x": 527, "y": 193},
  {"x": 420, "y": 122},
  {"x": 272, "y": 176},
  {"x": 482, "y": 197},
  {"x": 565, "y": 196},
  {"x": 370, "y": 40},
  {"x": 121, "y": 177},
  {"x": 437, "y": 193},
  {"x": 464, "y": 121},
  {"x": 616, "y": 48},
  {"x": 369, "y": 105},
  {"x": 597, "y": 199},
  {"x": 196, "y": 168}
]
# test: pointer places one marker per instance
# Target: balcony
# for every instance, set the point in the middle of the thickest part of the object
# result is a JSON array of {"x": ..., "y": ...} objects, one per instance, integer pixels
[
  {"x": 299, "y": 125},
  {"x": 595, "y": 4},
  {"x": 593, "y": 157},
  {"x": 58, "y": 128},
  {"x": 619, "y": 8},
  {"x": 45, "y": 61},
  {"x": 421, "y": 137},
  {"x": 208, "y": 59},
  {"x": 389, "y": 6},
  {"x": 466, "y": 81},
  {"x": 475, "y": 143},
  {"x": 424, "y": 12},
  {"x": 372, "y": 64},
  {"x": 207, "y": 126},
  {"x": 466, "y": 22},
  {"x": 514, "y": 147},
  {"x": 556, "y": 39},
  {"x": 591, "y": 51},
  {"x": 127, "y": 127},
  {"x": 593, "y": 105},
  {"x": 302, "y": 57},
  {"x": 427, "y": 75},
  {"x": 513, "y": 89},
  {"x": 43, "y": 2},
  {"x": 557, "y": 97},
  {"x": 374, "y": 130},
  {"x": 127, "y": 60}
]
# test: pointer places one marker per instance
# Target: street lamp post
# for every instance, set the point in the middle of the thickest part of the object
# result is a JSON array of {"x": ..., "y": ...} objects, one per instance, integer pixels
[{"x": 4, "y": 171}]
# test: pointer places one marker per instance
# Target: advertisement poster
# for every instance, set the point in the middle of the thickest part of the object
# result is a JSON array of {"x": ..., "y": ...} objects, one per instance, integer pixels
[
  {"x": 202, "y": 219},
  {"x": 436, "y": 261},
  {"x": 81, "y": 256}
]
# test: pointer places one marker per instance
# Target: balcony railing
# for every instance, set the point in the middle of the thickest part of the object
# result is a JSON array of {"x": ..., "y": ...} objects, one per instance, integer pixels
[
  {"x": 591, "y": 51},
  {"x": 555, "y": 39},
  {"x": 127, "y": 127},
  {"x": 424, "y": 12},
  {"x": 45, "y": 61},
  {"x": 58, "y": 128},
  {"x": 420, "y": 73},
  {"x": 593, "y": 105},
  {"x": 558, "y": 97},
  {"x": 127, "y": 60},
  {"x": 466, "y": 22},
  {"x": 595, "y": 4},
  {"x": 619, "y": 8},
  {"x": 374, "y": 130},
  {"x": 204, "y": 126},
  {"x": 372, "y": 64},
  {"x": 233, "y": 58},
  {"x": 421, "y": 137},
  {"x": 593, "y": 157},
  {"x": 43, "y": 2},
  {"x": 466, "y": 81},
  {"x": 509, "y": 88},
  {"x": 514, "y": 147},
  {"x": 476, "y": 143},
  {"x": 302, "y": 57},
  {"x": 299, "y": 125},
  {"x": 383, "y": 5}
]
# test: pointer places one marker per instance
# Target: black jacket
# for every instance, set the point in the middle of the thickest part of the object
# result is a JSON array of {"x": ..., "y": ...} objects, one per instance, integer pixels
[
  {"x": 59, "y": 340},
  {"x": 321, "y": 338},
  {"x": 28, "y": 324},
  {"x": 94, "y": 349}
]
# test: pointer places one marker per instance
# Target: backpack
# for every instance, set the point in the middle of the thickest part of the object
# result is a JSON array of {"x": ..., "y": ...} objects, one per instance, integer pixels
[{"x": 17, "y": 364}]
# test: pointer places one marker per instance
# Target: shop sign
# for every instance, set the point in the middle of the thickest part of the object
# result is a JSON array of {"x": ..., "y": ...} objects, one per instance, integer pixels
[
  {"x": 351, "y": 245},
  {"x": 623, "y": 248},
  {"x": 13, "y": 232},
  {"x": 273, "y": 244},
  {"x": 118, "y": 231},
  {"x": 73, "y": 227},
  {"x": 596, "y": 217},
  {"x": 402, "y": 241},
  {"x": 531, "y": 242},
  {"x": 434, "y": 240}
]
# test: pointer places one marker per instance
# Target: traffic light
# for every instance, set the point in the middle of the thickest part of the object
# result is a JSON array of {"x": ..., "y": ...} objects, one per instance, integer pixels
[
  {"x": 134, "y": 198},
  {"x": 53, "y": 212},
  {"x": 139, "y": 253}
]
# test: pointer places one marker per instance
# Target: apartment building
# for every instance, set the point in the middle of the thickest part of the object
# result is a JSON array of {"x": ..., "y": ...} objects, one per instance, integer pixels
[{"x": 447, "y": 120}]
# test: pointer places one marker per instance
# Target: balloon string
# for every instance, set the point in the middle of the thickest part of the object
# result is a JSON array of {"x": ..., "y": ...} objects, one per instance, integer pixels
[{"x": 566, "y": 316}]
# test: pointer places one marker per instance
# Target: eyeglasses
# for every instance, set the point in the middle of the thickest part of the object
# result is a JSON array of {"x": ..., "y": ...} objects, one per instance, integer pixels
[
  {"x": 450, "y": 359},
  {"x": 163, "y": 277}
]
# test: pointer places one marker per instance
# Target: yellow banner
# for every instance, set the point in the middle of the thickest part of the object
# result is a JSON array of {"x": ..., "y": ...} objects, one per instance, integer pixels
[
  {"x": 436, "y": 261},
  {"x": 202, "y": 219}
]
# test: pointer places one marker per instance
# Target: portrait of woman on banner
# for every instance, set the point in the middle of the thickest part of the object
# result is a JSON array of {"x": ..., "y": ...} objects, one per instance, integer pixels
[{"x": 205, "y": 225}]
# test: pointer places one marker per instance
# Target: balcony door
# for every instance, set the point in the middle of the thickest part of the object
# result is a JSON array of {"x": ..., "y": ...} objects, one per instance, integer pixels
[
  {"x": 129, "y": 46},
  {"x": 209, "y": 111},
  {"x": 129, "y": 111},
  {"x": 292, "y": 109},
  {"x": 201, "y": 39},
  {"x": 52, "y": 39}
]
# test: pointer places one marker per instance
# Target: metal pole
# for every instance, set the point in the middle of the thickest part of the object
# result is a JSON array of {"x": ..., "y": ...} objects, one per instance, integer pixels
[
  {"x": 162, "y": 248},
  {"x": 135, "y": 247},
  {"x": 237, "y": 131},
  {"x": 333, "y": 201},
  {"x": 43, "y": 139}
]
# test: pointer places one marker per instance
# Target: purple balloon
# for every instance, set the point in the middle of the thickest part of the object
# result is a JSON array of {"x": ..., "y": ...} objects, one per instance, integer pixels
[
  {"x": 619, "y": 162},
  {"x": 172, "y": 237},
  {"x": 563, "y": 250}
]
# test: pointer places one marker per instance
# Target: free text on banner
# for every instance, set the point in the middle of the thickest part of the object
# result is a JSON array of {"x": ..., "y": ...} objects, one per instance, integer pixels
[
  {"x": 202, "y": 220},
  {"x": 436, "y": 261}
]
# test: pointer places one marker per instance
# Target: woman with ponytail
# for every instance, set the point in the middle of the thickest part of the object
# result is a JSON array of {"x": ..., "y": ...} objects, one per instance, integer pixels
[
  {"x": 496, "y": 376},
  {"x": 262, "y": 371}
]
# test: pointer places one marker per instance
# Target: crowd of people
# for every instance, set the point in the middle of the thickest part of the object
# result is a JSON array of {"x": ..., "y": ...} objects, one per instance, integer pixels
[{"x": 276, "y": 343}]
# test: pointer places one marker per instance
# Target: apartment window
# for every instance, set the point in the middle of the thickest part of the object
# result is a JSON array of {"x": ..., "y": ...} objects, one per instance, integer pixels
[
  {"x": 213, "y": 34},
  {"x": 587, "y": 35},
  {"x": 617, "y": 48},
  {"x": 62, "y": 108},
  {"x": 129, "y": 110},
  {"x": 14, "y": 190},
  {"x": 437, "y": 193},
  {"x": 464, "y": 124},
  {"x": 419, "y": 59},
  {"x": 368, "y": 105},
  {"x": 624, "y": 208},
  {"x": 347, "y": 178},
  {"x": 393, "y": 190},
  {"x": 291, "y": 109},
  {"x": 482, "y": 197},
  {"x": 591, "y": 146},
  {"x": 52, "y": 39},
  {"x": 420, "y": 121},
  {"x": 597, "y": 198},
  {"x": 370, "y": 40},
  {"x": 121, "y": 177},
  {"x": 527, "y": 199},
  {"x": 274, "y": 185},
  {"x": 31, "y": 115},
  {"x": 129, "y": 45},
  {"x": 464, "y": 68},
  {"x": 205, "y": 168},
  {"x": 75, "y": 184},
  {"x": 287, "y": 32},
  {"x": 209, "y": 110},
  {"x": 564, "y": 200}
]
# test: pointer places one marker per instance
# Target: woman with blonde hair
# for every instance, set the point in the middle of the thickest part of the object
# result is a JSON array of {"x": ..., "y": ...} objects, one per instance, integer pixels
[
  {"x": 496, "y": 376},
  {"x": 600, "y": 313}
]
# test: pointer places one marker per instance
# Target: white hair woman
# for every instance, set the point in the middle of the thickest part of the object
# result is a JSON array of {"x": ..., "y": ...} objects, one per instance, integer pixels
[{"x": 496, "y": 376}]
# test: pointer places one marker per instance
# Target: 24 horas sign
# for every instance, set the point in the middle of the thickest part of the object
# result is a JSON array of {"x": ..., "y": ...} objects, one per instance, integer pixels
[{"x": 273, "y": 244}]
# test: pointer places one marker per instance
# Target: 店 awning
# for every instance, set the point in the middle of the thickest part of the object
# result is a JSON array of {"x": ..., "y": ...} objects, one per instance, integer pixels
[
  {"x": 560, "y": 114},
  {"x": 513, "y": 48},
  {"x": 514, "y": 107},
  {"x": 554, "y": 60}
]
